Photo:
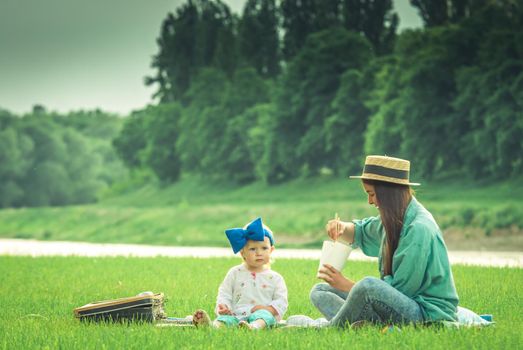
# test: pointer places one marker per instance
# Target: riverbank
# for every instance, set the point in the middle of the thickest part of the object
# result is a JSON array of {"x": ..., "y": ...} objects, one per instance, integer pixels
[{"x": 35, "y": 248}]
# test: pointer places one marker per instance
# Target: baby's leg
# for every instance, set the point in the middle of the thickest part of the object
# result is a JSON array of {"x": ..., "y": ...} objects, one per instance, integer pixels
[
  {"x": 257, "y": 324},
  {"x": 200, "y": 318},
  {"x": 218, "y": 324},
  {"x": 259, "y": 319}
]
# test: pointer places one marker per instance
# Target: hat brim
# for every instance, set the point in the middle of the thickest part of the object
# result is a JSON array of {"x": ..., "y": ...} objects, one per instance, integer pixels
[{"x": 384, "y": 179}]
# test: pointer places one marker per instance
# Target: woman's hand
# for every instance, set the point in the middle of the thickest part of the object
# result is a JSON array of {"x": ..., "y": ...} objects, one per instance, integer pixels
[
  {"x": 334, "y": 277},
  {"x": 337, "y": 229},
  {"x": 223, "y": 310}
]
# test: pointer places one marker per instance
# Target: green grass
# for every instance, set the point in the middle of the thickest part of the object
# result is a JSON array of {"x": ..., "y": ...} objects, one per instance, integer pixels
[
  {"x": 193, "y": 212},
  {"x": 38, "y": 296}
]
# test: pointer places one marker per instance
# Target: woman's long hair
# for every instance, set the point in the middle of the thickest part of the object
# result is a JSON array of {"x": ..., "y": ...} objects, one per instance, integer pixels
[{"x": 393, "y": 200}]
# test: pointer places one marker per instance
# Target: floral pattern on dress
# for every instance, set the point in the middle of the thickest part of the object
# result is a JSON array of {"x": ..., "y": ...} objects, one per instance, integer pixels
[{"x": 248, "y": 289}]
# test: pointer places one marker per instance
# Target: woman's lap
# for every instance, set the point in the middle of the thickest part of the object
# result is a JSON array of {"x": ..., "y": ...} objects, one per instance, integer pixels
[{"x": 370, "y": 299}]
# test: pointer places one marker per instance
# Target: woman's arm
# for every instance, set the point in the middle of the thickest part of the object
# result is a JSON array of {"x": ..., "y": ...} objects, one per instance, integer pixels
[
  {"x": 365, "y": 234},
  {"x": 368, "y": 235}
]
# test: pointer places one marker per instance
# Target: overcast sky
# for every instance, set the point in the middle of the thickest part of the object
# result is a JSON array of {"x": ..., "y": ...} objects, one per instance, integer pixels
[{"x": 85, "y": 54}]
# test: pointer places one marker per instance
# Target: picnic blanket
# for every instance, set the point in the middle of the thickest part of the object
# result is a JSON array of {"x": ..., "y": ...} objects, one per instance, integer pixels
[{"x": 466, "y": 318}]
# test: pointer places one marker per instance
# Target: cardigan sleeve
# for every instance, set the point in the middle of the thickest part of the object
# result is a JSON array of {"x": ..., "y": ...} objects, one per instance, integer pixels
[
  {"x": 280, "y": 301},
  {"x": 368, "y": 234},
  {"x": 225, "y": 291}
]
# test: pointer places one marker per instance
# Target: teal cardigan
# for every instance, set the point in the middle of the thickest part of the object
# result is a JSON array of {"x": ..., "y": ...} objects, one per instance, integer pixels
[{"x": 420, "y": 265}]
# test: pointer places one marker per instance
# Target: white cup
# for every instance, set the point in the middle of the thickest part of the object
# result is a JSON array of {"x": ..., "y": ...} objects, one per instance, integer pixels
[{"x": 334, "y": 253}]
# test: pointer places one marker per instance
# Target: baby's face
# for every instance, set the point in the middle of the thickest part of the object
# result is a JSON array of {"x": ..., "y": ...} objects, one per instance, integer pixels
[{"x": 257, "y": 253}]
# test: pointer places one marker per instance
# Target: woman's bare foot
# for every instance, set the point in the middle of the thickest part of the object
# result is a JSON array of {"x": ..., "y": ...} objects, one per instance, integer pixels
[{"x": 201, "y": 319}]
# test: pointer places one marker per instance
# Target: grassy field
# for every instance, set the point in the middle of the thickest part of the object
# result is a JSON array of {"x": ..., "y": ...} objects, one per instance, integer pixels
[
  {"x": 38, "y": 296},
  {"x": 195, "y": 213}
]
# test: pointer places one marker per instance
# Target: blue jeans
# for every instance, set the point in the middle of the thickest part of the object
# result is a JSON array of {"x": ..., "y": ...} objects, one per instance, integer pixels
[{"x": 370, "y": 299}]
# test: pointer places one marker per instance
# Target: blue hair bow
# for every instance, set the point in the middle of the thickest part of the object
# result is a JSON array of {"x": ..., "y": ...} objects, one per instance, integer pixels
[{"x": 255, "y": 231}]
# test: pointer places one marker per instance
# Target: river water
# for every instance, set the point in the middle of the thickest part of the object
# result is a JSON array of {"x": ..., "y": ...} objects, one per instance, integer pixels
[{"x": 24, "y": 247}]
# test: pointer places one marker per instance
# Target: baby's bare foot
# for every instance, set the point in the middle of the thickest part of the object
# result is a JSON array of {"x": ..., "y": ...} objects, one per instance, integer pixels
[
  {"x": 245, "y": 325},
  {"x": 201, "y": 319}
]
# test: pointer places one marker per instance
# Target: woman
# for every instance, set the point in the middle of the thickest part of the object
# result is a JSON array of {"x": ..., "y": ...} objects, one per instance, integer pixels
[{"x": 416, "y": 283}]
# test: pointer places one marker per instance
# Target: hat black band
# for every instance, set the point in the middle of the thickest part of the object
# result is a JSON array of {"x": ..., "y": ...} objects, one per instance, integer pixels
[{"x": 388, "y": 172}]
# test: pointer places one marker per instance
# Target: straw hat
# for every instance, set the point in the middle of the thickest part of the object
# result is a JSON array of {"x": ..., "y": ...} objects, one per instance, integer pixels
[{"x": 387, "y": 169}]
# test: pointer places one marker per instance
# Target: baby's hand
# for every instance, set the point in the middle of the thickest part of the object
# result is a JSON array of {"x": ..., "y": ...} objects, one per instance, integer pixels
[
  {"x": 258, "y": 307},
  {"x": 223, "y": 310}
]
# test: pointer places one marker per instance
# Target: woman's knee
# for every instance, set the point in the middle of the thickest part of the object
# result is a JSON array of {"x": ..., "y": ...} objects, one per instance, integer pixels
[
  {"x": 317, "y": 292},
  {"x": 365, "y": 286}
]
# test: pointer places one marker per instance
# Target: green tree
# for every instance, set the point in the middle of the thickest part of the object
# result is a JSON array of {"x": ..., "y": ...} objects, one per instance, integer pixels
[
  {"x": 162, "y": 132},
  {"x": 416, "y": 118},
  {"x": 47, "y": 185},
  {"x": 94, "y": 124},
  {"x": 246, "y": 90},
  {"x": 489, "y": 94},
  {"x": 215, "y": 37},
  {"x": 81, "y": 166},
  {"x": 131, "y": 141},
  {"x": 491, "y": 101},
  {"x": 15, "y": 149},
  {"x": 383, "y": 132},
  {"x": 202, "y": 122},
  {"x": 300, "y": 18},
  {"x": 52, "y": 159},
  {"x": 441, "y": 12},
  {"x": 344, "y": 129},
  {"x": 262, "y": 144},
  {"x": 304, "y": 101},
  {"x": 6, "y": 119},
  {"x": 98, "y": 129},
  {"x": 46, "y": 181},
  {"x": 258, "y": 37},
  {"x": 200, "y": 34},
  {"x": 176, "y": 60},
  {"x": 374, "y": 19}
]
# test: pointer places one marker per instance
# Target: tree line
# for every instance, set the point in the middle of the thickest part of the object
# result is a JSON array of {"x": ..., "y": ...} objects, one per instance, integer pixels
[
  {"x": 48, "y": 159},
  {"x": 298, "y": 88},
  {"x": 291, "y": 89}
]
